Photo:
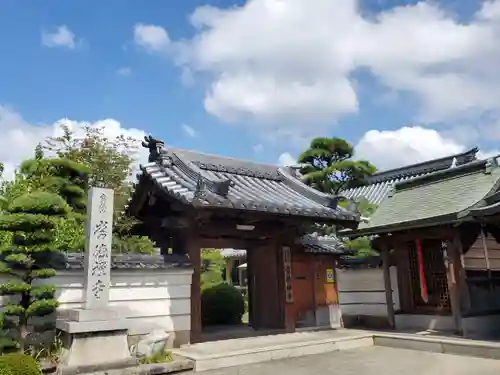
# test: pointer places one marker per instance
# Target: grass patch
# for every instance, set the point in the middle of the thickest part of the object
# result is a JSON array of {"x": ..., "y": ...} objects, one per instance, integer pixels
[{"x": 160, "y": 356}]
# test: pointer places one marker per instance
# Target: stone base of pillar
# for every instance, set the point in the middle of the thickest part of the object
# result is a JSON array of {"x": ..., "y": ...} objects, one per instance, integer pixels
[{"x": 94, "y": 339}]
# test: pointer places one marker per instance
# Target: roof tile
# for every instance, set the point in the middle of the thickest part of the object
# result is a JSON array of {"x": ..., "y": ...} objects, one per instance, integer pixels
[
  {"x": 437, "y": 195},
  {"x": 211, "y": 180}
]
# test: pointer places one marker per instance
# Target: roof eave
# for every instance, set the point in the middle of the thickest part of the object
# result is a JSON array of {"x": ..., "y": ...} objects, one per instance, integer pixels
[
  {"x": 410, "y": 225},
  {"x": 489, "y": 210}
]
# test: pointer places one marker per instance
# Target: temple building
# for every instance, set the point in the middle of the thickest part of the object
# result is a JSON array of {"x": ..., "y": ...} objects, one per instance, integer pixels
[
  {"x": 438, "y": 223},
  {"x": 188, "y": 200}
]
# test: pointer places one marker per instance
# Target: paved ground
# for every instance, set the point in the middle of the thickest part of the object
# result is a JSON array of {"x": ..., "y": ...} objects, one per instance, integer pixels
[{"x": 370, "y": 361}]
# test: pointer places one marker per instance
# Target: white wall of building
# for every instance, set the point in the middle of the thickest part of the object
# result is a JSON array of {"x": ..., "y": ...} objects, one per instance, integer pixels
[
  {"x": 149, "y": 298},
  {"x": 362, "y": 291}
]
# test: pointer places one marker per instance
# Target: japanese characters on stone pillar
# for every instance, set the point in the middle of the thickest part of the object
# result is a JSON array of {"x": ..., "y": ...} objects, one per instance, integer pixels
[{"x": 98, "y": 248}]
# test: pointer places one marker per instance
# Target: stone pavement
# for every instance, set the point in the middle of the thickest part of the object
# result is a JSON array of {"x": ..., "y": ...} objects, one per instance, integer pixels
[{"x": 374, "y": 360}]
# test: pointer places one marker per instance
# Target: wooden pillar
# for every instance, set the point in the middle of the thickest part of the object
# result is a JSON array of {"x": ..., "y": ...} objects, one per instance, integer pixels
[
  {"x": 457, "y": 283},
  {"x": 188, "y": 242},
  {"x": 461, "y": 276},
  {"x": 388, "y": 284},
  {"x": 453, "y": 266},
  {"x": 252, "y": 321}
]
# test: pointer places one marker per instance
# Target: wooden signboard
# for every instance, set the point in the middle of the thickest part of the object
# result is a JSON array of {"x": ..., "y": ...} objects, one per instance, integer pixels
[{"x": 287, "y": 263}]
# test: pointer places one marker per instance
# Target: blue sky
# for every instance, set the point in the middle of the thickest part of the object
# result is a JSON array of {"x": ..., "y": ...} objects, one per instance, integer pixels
[{"x": 405, "y": 81}]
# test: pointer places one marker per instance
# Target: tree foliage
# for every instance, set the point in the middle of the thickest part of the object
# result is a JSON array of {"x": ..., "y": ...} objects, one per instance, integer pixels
[
  {"x": 31, "y": 219},
  {"x": 18, "y": 364},
  {"x": 59, "y": 176},
  {"x": 362, "y": 246},
  {"x": 212, "y": 268},
  {"x": 110, "y": 164},
  {"x": 109, "y": 160},
  {"x": 328, "y": 165}
]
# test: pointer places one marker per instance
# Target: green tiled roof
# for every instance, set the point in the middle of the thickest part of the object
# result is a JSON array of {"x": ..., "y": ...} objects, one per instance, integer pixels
[{"x": 438, "y": 197}]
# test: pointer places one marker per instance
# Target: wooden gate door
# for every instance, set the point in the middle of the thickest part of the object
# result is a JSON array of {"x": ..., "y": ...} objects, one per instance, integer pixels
[
  {"x": 303, "y": 289},
  {"x": 266, "y": 308}
]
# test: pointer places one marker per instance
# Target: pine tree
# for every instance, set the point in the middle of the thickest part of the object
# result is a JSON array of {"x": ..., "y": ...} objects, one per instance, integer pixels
[
  {"x": 31, "y": 218},
  {"x": 69, "y": 180},
  {"x": 53, "y": 203}
]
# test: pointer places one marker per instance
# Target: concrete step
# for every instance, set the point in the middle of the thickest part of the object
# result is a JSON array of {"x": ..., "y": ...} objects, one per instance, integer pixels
[
  {"x": 228, "y": 353},
  {"x": 439, "y": 344},
  {"x": 236, "y": 352}
]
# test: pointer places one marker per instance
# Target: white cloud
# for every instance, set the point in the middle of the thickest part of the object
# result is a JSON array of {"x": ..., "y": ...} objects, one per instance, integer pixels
[
  {"x": 189, "y": 130},
  {"x": 286, "y": 159},
  {"x": 298, "y": 63},
  {"x": 388, "y": 149},
  {"x": 19, "y": 138},
  {"x": 62, "y": 36},
  {"x": 151, "y": 37},
  {"x": 124, "y": 71}
]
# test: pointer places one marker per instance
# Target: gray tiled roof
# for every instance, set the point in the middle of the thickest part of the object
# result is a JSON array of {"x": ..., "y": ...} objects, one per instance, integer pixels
[
  {"x": 441, "y": 196},
  {"x": 76, "y": 261},
  {"x": 311, "y": 243},
  {"x": 377, "y": 186},
  {"x": 210, "y": 180},
  {"x": 323, "y": 244}
]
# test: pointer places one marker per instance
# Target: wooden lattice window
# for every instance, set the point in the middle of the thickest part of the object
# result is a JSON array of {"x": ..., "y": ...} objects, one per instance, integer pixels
[{"x": 435, "y": 277}]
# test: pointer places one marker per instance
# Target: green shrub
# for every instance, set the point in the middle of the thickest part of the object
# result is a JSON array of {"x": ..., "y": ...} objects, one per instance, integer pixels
[
  {"x": 222, "y": 304},
  {"x": 18, "y": 364}
]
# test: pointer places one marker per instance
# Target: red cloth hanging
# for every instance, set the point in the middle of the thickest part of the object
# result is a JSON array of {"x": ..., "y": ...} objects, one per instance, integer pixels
[{"x": 423, "y": 282}]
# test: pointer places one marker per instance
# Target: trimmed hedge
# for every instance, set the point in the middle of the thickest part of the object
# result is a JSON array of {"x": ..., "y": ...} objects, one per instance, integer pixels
[
  {"x": 18, "y": 364},
  {"x": 222, "y": 304}
]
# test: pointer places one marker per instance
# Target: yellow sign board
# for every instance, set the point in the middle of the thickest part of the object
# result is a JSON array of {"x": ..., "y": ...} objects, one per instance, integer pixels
[{"x": 330, "y": 277}]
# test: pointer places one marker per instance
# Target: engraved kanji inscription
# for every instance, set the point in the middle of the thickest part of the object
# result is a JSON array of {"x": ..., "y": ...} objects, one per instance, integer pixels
[
  {"x": 103, "y": 203},
  {"x": 98, "y": 246},
  {"x": 100, "y": 263},
  {"x": 101, "y": 229},
  {"x": 98, "y": 288}
]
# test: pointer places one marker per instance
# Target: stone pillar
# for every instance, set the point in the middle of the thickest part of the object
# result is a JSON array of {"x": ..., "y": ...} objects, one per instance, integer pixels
[{"x": 96, "y": 335}]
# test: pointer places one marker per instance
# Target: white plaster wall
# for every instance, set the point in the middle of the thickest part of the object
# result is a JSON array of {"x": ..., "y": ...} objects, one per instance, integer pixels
[
  {"x": 149, "y": 298},
  {"x": 362, "y": 291}
]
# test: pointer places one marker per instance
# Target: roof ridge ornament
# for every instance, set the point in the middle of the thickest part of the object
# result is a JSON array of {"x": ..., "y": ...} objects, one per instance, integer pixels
[
  {"x": 155, "y": 147},
  {"x": 453, "y": 163},
  {"x": 491, "y": 164}
]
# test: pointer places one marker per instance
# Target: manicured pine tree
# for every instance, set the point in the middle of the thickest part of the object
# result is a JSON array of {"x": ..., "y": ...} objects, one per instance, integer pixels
[
  {"x": 31, "y": 218},
  {"x": 61, "y": 176},
  {"x": 57, "y": 195}
]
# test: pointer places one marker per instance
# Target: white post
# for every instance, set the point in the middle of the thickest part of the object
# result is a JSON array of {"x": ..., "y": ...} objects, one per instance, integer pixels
[{"x": 98, "y": 248}]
